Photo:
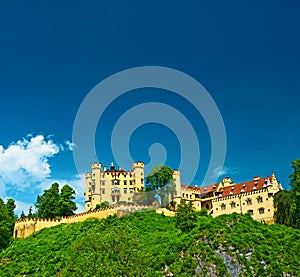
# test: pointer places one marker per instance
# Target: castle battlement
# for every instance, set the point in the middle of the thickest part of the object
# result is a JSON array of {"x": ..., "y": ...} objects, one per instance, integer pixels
[{"x": 25, "y": 227}]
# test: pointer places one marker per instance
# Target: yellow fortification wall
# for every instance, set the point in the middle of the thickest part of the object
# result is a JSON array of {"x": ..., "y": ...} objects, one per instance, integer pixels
[{"x": 26, "y": 227}]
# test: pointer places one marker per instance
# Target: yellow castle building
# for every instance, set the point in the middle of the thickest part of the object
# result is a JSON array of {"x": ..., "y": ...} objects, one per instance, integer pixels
[
  {"x": 254, "y": 197},
  {"x": 114, "y": 185}
]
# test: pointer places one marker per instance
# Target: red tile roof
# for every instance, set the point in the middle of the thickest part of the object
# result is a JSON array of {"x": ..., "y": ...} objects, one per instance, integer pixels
[
  {"x": 230, "y": 190},
  {"x": 202, "y": 190},
  {"x": 244, "y": 187}
]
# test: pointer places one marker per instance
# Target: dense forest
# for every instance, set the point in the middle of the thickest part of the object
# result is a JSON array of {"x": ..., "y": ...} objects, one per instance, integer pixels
[{"x": 149, "y": 244}]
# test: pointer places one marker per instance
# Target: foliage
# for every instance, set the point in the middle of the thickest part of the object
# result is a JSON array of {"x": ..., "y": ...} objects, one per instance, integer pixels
[
  {"x": 7, "y": 219},
  {"x": 53, "y": 203},
  {"x": 295, "y": 184},
  {"x": 160, "y": 179},
  {"x": 284, "y": 204},
  {"x": 185, "y": 216},
  {"x": 66, "y": 204},
  {"x": 149, "y": 244},
  {"x": 287, "y": 203},
  {"x": 104, "y": 204}
]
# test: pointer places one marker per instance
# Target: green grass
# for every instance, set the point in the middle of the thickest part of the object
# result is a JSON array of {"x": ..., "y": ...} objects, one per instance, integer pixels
[{"x": 143, "y": 243}]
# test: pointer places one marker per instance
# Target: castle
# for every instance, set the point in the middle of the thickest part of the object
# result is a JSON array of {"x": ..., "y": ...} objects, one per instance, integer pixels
[
  {"x": 254, "y": 197},
  {"x": 117, "y": 187},
  {"x": 114, "y": 185}
]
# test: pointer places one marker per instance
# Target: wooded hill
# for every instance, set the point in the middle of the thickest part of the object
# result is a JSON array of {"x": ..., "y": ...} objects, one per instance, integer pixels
[{"x": 149, "y": 244}]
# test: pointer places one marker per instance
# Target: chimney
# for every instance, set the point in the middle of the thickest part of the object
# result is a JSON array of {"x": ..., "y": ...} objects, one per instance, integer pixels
[{"x": 227, "y": 181}]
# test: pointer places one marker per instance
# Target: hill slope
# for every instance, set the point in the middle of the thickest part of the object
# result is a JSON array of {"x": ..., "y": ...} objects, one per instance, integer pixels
[{"x": 148, "y": 244}]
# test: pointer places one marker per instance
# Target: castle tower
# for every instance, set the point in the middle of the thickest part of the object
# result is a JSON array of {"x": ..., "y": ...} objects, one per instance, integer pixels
[
  {"x": 177, "y": 183},
  {"x": 88, "y": 191},
  {"x": 138, "y": 175}
]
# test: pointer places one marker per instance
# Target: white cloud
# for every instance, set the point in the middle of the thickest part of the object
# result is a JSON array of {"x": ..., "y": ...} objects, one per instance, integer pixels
[
  {"x": 25, "y": 170},
  {"x": 224, "y": 171},
  {"x": 26, "y": 161},
  {"x": 70, "y": 145}
]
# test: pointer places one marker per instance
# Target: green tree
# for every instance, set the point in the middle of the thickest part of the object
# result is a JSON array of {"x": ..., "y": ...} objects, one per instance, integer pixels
[
  {"x": 185, "y": 216},
  {"x": 10, "y": 207},
  {"x": 7, "y": 219},
  {"x": 47, "y": 204},
  {"x": 104, "y": 204},
  {"x": 287, "y": 203},
  {"x": 66, "y": 204},
  {"x": 285, "y": 207},
  {"x": 30, "y": 214},
  {"x": 295, "y": 185},
  {"x": 160, "y": 179},
  {"x": 22, "y": 215},
  {"x": 53, "y": 203}
]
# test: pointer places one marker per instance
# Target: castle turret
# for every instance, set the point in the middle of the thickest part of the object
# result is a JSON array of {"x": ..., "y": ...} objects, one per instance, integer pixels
[
  {"x": 138, "y": 173},
  {"x": 177, "y": 182},
  {"x": 88, "y": 191}
]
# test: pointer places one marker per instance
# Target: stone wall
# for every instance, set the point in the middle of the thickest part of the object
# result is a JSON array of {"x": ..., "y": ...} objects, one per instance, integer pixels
[{"x": 26, "y": 227}]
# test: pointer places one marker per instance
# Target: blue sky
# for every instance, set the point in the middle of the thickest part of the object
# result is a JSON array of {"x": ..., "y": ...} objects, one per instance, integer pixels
[{"x": 245, "y": 53}]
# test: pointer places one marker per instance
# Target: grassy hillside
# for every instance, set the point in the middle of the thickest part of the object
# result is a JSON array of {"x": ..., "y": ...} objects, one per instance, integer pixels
[{"x": 148, "y": 244}]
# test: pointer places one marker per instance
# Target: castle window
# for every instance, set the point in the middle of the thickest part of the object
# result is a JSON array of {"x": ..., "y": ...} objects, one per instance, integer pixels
[
  {"x": 250, "y": 212},
  {"x": 125, "y": 190},
  {"x": 115, "y": 182},
  {"x": 113, "y": 198},
  {"x": 125, "y": 183},
  {"x": 130, "y": 182},
  {"x": 190, "y": 196},
  {"x": 102, "y": 183},
  {"x": 187, "y": 196},
  {"x": 131, "y": 190},
  {"x": 103, "y": 191},
  {"x": 233, "y": 205},
  {"x": 259, "y": 199},
  {"x": 223, "y": 207},
  {"x": 142, "y": 180},
  {"x": 183, "y": 195},
  {"x": 261, "y": 210},
  {"x": 249, "y": 201}
]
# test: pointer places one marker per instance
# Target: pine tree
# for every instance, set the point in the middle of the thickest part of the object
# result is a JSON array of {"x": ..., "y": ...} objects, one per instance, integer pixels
[
  {"x": 66, "y": 204},
  {"x": 52, "y": 203},
  {"x": 185, "y": 216},
  {"x": 22, "y": 215},
  {"x": 7, "y": 220}
]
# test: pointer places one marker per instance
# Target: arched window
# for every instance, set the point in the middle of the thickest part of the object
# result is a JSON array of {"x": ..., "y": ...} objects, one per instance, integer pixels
[
  {"x": 223, "y": 207},
  {"x": 261, "y": 210},
  {"x": 249, "y": 201},
  {"x": 233, "y": 205},
  {"x": 259, "y": 199}
]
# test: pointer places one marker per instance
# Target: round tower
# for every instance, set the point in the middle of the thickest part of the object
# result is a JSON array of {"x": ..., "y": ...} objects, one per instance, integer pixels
[{"x": 138, "y": 174}]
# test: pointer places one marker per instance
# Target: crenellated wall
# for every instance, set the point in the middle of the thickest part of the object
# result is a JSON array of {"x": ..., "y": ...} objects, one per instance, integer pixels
[{"x": 26, "y": 227}]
